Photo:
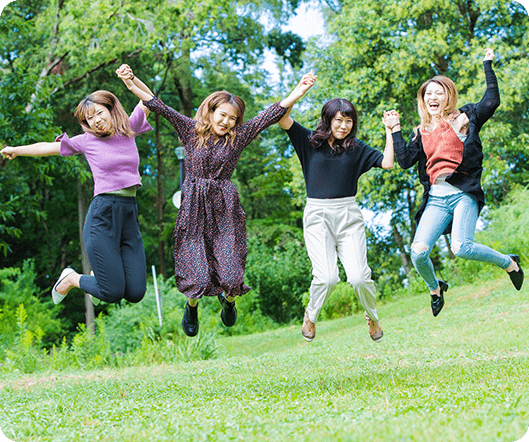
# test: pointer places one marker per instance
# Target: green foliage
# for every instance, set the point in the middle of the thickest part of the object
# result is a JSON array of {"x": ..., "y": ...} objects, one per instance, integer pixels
[
  {"x": 378, "y": 54},
  {"x": 342, "y": 302},
  {"x": 508, "y": 227},
  {"x": 22, "y": 307},
  {"x": 288, "y": 46},
  {"x": 7, "y": 216},
  {"x": 279, "y": 270},
  {"x": 27, "y": 345},
  {"x": 89, "y": 350}
]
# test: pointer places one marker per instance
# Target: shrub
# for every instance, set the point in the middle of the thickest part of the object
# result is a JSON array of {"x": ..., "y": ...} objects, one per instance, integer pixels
[
  {"x": 17, "y": 287},
  {"x": 279, "y": 274},
  {"x": 343, "y": 301}
]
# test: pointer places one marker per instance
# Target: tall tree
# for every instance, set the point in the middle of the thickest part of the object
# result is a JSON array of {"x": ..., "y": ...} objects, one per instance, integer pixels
[
  {"x": 55, "y": 52},
  {"x": 380, "y": 53}
]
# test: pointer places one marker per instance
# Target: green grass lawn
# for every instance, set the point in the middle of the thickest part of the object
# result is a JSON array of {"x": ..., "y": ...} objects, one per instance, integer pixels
[{"x": 463, "y": 376}]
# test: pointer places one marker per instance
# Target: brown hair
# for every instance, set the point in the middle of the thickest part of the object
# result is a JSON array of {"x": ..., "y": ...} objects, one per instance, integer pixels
[
  {"x": 206, "y": 110},
  {"x": 450, "y": 89},
  {"x": 120, "y": 119}
]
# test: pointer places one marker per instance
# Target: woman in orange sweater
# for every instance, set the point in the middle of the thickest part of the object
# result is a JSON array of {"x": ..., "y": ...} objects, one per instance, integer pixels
[{"x": 448, "y": 149}]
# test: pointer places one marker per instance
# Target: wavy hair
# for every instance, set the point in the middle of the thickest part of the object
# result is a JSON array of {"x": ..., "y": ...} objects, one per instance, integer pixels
[
  {"x": 206, "y": 110},
  {"x": 323, "y": 131},
  {"x": 450, "y": 111},
  {"x": 119, "y": 118}
]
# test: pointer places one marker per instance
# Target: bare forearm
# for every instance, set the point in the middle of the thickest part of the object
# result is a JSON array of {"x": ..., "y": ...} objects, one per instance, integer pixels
[
  {"x": 389, "y": 155},
  {"x": 144, "y": 94},
  {"x": 287, "y": 121},
  {"x": 142, "y": 86},
  {"x": 294, "y": 96},
  {"x": 306, "y": 82},
  {"x": 32, "y": 150}
]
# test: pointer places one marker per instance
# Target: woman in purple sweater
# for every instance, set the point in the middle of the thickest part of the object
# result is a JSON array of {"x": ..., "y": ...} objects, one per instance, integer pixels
[{"x": 111, "y": 232}]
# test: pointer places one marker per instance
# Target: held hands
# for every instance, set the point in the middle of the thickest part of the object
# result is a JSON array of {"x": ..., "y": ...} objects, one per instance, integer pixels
[
  {"x": 125, "y": 73},
  {"x": 391, "y": 120},
  {"x": 489, "y": 54},
  {"x": 9, "y": 152}
]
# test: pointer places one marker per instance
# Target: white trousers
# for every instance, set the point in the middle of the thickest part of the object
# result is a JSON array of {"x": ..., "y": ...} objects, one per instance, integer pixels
[{"x": 334, "y": 228}]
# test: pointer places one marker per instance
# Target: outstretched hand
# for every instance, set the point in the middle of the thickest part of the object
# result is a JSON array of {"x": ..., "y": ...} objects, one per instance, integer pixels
[
  {"x": 306, "y": 82},
  {"x": 489, "y": 54},
  {"x": 391, "y": 119},
  {"x": 9, "y": 152}
]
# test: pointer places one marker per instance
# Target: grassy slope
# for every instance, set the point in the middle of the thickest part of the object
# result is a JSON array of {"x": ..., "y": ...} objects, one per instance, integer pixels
[{"x": 462, "y": 376}]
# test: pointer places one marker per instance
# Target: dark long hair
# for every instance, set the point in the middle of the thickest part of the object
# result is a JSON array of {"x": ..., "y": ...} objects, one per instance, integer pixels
[{"x": 323, "y": 131}]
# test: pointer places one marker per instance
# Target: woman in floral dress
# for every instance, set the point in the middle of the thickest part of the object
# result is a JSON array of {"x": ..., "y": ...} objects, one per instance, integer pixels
[{"x": 210, "y": 232}]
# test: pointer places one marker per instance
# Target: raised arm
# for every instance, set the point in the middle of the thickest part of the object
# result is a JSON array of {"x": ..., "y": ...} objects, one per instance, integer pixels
[
  {"x": 407, "y": 154},
  {"x": 135, "y": 85},
  {"x": 491, "y": 100},
  {"x": 32, "y": 150},
  {"x": 286, "y": 122},
  {"x": 306, "y": 82},
  {"x": 391, "y": 121}
]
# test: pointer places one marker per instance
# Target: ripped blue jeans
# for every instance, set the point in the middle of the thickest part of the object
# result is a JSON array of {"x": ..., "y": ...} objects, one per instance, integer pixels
[{"x": 462, "y": 210}]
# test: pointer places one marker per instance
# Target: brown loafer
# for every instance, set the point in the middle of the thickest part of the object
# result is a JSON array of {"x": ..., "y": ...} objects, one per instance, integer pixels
[
  {"x": 377, "y": 334},
  {"x": 309, "y": 328}
]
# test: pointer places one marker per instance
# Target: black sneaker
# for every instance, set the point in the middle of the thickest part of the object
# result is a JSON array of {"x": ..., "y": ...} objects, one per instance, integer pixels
[
  {"x": 516, "y": 276},
  {"x": 190, "y": 320},
  {"x": 438, "y": 302},
  {"x": 229, "y": 311}
]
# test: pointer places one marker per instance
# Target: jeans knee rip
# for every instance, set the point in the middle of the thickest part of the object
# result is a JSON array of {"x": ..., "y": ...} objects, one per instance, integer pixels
[{"x": 419, "y": 249}]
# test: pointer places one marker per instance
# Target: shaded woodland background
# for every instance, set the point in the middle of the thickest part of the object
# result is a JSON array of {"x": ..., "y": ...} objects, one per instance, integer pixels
[{"x": 376, "y": 54}]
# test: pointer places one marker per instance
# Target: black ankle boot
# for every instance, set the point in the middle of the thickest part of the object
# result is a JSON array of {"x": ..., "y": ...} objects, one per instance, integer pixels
[
  {"x": 516, "y": 275},
  {"x": 438, "y": 302},
  {"x": 229, "y": 311},
  {"x": 190, "y": 320}
]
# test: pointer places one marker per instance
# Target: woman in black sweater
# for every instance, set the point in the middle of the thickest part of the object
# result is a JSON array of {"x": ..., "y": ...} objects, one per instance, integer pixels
[
  {"x": 333, "y": 159},
  {"x": 448, "y": 150}
]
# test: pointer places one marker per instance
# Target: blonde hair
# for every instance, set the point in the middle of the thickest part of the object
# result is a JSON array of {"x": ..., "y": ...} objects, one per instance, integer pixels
[
  {"x": 120, "y": 119},
  {"x": 449, "y": 112},
  {"x": 206, "y": 110}
]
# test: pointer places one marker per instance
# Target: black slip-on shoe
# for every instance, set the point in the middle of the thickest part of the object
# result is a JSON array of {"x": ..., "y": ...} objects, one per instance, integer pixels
[
  {"x": 229, "y": 311},
  {"x": 516, "y": 276},
  {"x": 190, "y": 320},
  {"x": 438, "y": 302}
]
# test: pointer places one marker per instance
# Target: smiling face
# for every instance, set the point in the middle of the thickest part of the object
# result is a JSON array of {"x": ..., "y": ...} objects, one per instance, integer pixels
[
  {"x": 341, "y": 126},
  {"x": 435, "y": 99},
  {"x": 100, "y": 120},
  {"x": 224, "y": 119}
]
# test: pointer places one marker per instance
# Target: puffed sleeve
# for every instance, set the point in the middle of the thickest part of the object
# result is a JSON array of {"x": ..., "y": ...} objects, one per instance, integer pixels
[{"x": 71, "y": 146}]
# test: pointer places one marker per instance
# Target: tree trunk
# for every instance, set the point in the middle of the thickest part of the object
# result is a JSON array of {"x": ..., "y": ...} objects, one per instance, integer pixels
[
  {"x": 447, "y": 242},
  {"x": 184, "y": 83},
  {"x": 82, "y": 209},
  {"x": 405, "y": 259}
]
